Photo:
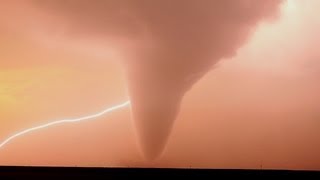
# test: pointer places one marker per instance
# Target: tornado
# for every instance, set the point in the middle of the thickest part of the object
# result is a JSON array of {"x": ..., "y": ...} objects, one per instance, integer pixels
[
  {"x": 173, "y": 44},
  {"x": 188, "y": 38}
]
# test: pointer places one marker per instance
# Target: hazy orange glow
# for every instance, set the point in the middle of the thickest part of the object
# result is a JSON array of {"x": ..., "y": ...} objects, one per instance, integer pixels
[{"x": 259, "y": 109}]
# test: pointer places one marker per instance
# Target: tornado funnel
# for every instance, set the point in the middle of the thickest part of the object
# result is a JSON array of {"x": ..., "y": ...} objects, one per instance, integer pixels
[
  {"x": 155, "y": 104},
  {"x": 156, "y": 91},
  {"x": 187, "y": 38}
]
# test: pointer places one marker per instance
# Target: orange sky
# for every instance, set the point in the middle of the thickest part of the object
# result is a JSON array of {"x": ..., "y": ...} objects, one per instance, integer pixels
[{"x": 259, "y": 109}]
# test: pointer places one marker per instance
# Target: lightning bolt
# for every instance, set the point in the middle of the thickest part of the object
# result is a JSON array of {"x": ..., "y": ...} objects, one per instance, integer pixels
[{"x": 113, "y": 108}]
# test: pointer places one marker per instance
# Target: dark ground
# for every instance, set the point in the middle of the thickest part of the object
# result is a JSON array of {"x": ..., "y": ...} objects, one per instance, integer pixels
[{"x": 107, "y": 173}]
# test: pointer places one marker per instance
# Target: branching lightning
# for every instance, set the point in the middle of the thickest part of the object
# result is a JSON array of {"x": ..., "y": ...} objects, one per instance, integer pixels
[{"x": 113, "y": 108}]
